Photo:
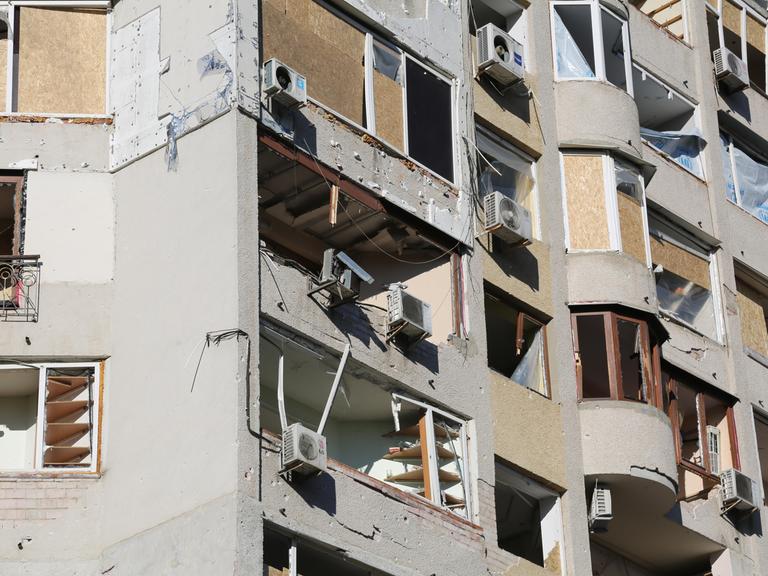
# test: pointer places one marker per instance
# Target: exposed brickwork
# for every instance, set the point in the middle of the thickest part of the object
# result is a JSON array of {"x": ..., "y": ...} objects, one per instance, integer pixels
[{"x": 23, "y": 499}]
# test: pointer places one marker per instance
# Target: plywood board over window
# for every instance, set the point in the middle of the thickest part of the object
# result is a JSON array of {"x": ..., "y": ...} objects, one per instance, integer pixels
[
  {"x": 756, "y": 51},
  {"x": 631, "y": 224},
  {"x": 388, "y": 102},
  {"x": 326, "y": 49},
  {"x": 753, "y": 313},
  {"x": 680, "y": 262},
  {"x": 585, "y": 190},
  {"x": 62, "y": 61}
]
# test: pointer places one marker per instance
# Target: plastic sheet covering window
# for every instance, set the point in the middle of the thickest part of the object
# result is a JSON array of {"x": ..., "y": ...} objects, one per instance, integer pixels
[
  {"x": 730, "y": 186},
  {"x": 387, "y": 61},
  {"x": 682, "y": 147},
  {"x": 508, "y": 173},
  {"x": 530, "y": 370},
  {"x": 571, "y": 61},
  {"x": 752, "y": 179}
]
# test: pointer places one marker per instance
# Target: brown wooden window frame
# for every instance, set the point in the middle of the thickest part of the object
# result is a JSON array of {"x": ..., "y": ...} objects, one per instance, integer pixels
[
  {"x": 701, "y": 413},
  {"x": 651, "y": 358}
]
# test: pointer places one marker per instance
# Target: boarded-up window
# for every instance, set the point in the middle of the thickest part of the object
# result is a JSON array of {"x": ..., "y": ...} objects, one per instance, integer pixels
[
  {"x": 682, "y": 270},
  {"x": 388, "y": 94},
  {"x": 325, "y": 48},
  {"x": 756, "y": 51},
  {"x": 753, "y": 313},
  {"x": 732, "y": 33},
  {"x": 587, "y": 215},
  {"x": 629, "y": 197},
  {"x": 61, "y": 61}
]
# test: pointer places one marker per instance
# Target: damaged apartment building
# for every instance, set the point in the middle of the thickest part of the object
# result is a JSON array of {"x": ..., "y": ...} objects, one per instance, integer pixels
[{"x": 362, "y": 287}]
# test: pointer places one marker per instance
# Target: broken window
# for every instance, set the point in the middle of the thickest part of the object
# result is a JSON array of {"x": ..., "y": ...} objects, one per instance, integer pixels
[
  {"x": 752, "y": 295},
  {"x": 385, "y": 91},
  {"x": 517, "y": 344},
  {"x": 668, "y": 122},
  {"x": 615, "y": 357},
  {"x": 667, "y": 14},
  {"x": 605, "y": 205},
  {"x": 741, "y": 30},
  {"x": 703, "y": 418},
  {"x": 746, "y": 176},
  {"x": 10, "y": 214},
  {"x": 402, "y": 441},
  {"x": 57, "y": 58},
  {"x": 48, "y": 417},
  {"x": 285, "y": 555},
  {"x": 528, "y": 519},
  {"x": 761, "y": 433},
  {"x": 591, "y": 42},
  {"x": 503, "y": 168},
  {"x": 683, "y": 270}
]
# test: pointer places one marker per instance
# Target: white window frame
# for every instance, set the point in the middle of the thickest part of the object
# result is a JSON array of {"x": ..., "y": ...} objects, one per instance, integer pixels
[
  {"x": 465, "y": 468},
  {"x": 746, "y": 9},
  {"x": 42, "y": 368},
  {"x": 597, "y": 42},
  {"x": 734, "y": 173},
  {"x": 370, "y": 104},
  {"x": 9, "y": 7},
  {"x": 611, "y": 204},
  {"x": 513, "y": 150},
  {"x": 697, "y": 248},
  {"x": 696, "y": 121}
]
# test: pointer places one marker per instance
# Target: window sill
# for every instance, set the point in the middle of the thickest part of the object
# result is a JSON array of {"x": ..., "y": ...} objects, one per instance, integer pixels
[
  {"x": 710, "y": 480},
  {"x": 509, "y": 379},
  {"x": 390, "y": 491},
  {"x": 756, "y": 356},
  {"x": 669, "y": 160},
  {"x": 682, "y": 323},
  {"x": 52, "y": 475},
  {"x": 55, "y": 119},
  {"x": 746, "y": 211}
]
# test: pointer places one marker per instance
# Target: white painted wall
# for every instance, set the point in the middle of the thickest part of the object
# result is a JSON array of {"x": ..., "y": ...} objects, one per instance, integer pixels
[
  {"x": 18, "y": 416},
  {"x": 71, "y": 225}
]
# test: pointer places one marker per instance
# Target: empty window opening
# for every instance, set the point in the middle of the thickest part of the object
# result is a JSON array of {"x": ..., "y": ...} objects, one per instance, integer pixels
[
  {"x": 705, "y": 439},
  {"x": 683, "y": 271},
  {"x": 752, "y": 295},
  {"x": 300, "y": 217},
  {"x": 669, "y": 15},
  {"x": 430, "y": 130},
  {"x": 605, "y": 200},
  {"x": 616, "y": 357},
  {"x": 285, "y": 555},
  {"x": 504, "y": 14},
  {"x": 746, "y": 175},
  {"x": 505, "y": 169},
  {"x": 47, "y": 417},
  {"x": 406, "y": 443},
  {"x": 668, "y": 122},
  {"x": 591, "y": 43},
  {"x": 761, "y": 432},
  {"x": 517, "y": 345},
  {"x": 528, "y": 518},
  {"x": 10, "y": 215}
]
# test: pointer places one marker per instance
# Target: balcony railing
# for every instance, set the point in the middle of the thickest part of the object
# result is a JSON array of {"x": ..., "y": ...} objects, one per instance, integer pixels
[{"x": 19, "y": 288}]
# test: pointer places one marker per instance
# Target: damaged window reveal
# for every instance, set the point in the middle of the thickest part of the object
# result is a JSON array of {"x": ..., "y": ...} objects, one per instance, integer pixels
[
  {"x": 53, "y": 60},
  {"x": 391, "y": 95},
  {"x": 617, "y": 358},
  {"x": 517, "y": 344},
  {"x": 401, "y": 441},
  {"x": 684, "y": 272},
  {"x": 49, "y": 417}
]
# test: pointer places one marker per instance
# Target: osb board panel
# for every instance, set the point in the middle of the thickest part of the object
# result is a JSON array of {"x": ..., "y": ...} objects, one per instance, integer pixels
[
  {"x": 754, "y": 332},
  {"x": 327, "y": 50},
  {"x": 587, "y": 217},
  {"x": 388, "y": 102},
  {"x": 62, "y": 61},
  {"x": 3, "y": 70},
  {"x": 732, "y": 17},
  {"x": 755, "y": 33},
  {"x": 631, "y": 224},
  {"x": 680, "y": 262}
]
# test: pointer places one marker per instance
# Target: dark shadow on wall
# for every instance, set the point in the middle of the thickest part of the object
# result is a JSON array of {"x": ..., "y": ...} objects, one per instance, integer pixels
[
  {"x": 516, "y": 261},
  {"x": 739, "y": 103},
  {"x": 318, "y": 492},
  {"x": 514, "y": 99}
]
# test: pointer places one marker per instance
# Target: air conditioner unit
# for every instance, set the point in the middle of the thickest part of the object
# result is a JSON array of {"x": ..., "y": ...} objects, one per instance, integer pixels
[
  {"x": 731, "y": 70},
  {"x": 283, "y": 84},
  {"x": 713, "y": 443},
  {"x": 408, "y": 317},
  {"x": 507, "y": 219},
  {"x": 738, "y": 490},
  {"x": 303, "y": 451},
  {"x": 341, "y": 277},
  {"x": 601, "y": 510},
  {"x": 499, "y": 55}
]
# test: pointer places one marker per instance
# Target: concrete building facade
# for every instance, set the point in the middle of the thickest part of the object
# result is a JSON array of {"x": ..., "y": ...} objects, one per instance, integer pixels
[{"x": 508, "y": 258}]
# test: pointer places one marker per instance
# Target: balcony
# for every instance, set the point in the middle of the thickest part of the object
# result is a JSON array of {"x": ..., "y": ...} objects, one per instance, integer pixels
[{"x": 19, "y": 288}]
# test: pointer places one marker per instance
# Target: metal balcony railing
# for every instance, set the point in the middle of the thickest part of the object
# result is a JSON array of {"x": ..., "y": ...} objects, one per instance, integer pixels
[{"x": 19, "y": 288}]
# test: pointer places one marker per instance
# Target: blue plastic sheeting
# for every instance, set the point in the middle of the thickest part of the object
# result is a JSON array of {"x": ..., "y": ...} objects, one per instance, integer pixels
[
  {"x": 570, "y": 61},
  {"x": 751, "y": 177},
  {"x": 682, "y": 147}
]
